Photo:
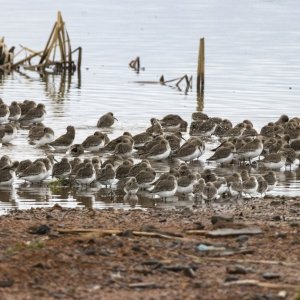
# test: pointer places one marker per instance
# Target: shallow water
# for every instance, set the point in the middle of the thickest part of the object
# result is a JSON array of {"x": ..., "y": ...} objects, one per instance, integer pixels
[{"x": 252, "y": 70}]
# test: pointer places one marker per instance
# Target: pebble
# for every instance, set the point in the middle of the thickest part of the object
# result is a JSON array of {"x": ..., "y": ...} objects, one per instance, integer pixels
[
  {"x": 237, "y": 269},
  {"x": 217, "y": 219},
  {"x": 270, "y": 275}
]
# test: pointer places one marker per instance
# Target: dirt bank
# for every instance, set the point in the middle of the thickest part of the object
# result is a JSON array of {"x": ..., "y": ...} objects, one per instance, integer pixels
[{"x": 60, "y": 253}]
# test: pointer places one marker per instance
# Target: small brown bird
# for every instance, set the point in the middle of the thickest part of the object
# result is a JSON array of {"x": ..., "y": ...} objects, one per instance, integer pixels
[{"x": 106, "y": 120}]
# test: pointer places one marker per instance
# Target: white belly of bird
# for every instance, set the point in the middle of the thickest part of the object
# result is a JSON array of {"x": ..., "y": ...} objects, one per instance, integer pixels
[
  {"x": 8, "y": 137},
  {"x": 197, "y": 153},
  {"x": 86, "y": 180},
  {"x": 166, "y": 194},
  {"x": 95, "y": 148},
  {"x": 227, "y": 159},
  {"x": 252, "y": 154},
  {"x": 273, "y": 165},
  {"x": 185, "y": 189},
  {"x": 15, "y": 117},
  {"x": 46, "y": 139},
  {"x": 4, "y": 119},
  {"x": 161, "y": 156},
  {"x": 35, "y": 178},
  {"x": 145, "y": 185},
  {"x": 8, "y": 182}
]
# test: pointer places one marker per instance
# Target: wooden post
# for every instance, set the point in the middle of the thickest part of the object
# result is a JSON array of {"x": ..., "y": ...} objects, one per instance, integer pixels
[{"x": 201, "y": 66}]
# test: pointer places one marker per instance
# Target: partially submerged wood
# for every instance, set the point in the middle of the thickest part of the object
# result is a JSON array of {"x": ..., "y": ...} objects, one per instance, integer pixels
[{"x": 57, "y": 55}]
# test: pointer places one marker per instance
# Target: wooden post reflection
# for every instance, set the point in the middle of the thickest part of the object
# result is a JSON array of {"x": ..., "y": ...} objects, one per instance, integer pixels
[{"x": 200, "y": 99}]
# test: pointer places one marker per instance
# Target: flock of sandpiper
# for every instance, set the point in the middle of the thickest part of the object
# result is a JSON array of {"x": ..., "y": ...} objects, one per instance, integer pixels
[{"x": 128, "y": 159}]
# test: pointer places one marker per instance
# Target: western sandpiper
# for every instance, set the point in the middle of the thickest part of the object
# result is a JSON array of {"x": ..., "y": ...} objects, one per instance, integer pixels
[
  {"x": 106, "y": 120},
  {"x": 34, "y": 173},
  {"x": 4, "y": 113},
  {"x": 160, "y": 151},
  {"x": 122, "y": 171},
  {"x": 106, "y": 176},
  {"x": 250, "y": 186},
  {"x": 131, "y": 186},
  {"x": 145, "y": 177},
  {"x": 270, "y": 178},
  {"x": 223, "y": 154},
  {"x": 8, "y": 174},
  {"x": 64, "y": 141},
  {"x": 42, "y": 137},
  {"x": 95, "y": 142},
  {"x": 14, "y": 111},
  {"x": 86, "y": 174},
  {"x": 166, "y": 188},
  {"x": 190, "y": 150},
  {"x": 61, "y": 169},
  {"x": 210, "y": 192},
  {"x": 35, "y": 115}
]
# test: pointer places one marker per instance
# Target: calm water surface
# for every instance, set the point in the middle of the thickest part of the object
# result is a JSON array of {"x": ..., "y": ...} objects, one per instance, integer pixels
[{"x": 252, "y": 71}]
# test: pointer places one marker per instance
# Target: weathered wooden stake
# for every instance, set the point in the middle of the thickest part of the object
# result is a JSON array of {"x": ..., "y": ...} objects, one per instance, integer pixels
[{"x": 201, "y": 66}]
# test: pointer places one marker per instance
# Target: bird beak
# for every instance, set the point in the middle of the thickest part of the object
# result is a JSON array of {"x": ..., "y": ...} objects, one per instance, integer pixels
[
  {"x": 116, "y": 119},
  {"x": 183, "y": 138}
]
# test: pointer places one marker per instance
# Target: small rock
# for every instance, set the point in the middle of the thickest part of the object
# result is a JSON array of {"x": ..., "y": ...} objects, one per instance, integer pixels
[
  {"x": 237, "y": 269},
  {"x": 242, "y": 239},
  {"x": 189, "y": 272},
  {"x": 270, "y": 275},
  {"x": 6, "y": 283},
  {"x": 127, "y": 233},
  {"x": 90, "y": 251},
  {"x": 41, "y": 229},
  {"x": 282, "y": 294},
  {"x": 230, "y": 278},
  {"x": 216, "y": 219},
  {"x": 276, "y": 218},
  {"x": 280, "y": 235}
]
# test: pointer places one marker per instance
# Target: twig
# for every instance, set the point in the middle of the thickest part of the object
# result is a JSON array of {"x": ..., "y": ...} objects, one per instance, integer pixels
[{"x": 260, "y": 284}]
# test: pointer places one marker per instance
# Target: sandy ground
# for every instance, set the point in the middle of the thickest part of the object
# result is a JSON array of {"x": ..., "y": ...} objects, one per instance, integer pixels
[{"x": 58, "y": 253}]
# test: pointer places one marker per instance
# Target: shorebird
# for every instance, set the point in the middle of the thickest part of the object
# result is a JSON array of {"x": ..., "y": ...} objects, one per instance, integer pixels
[
  {"x": 61, "y": 169},
  {"x": 14, "y": 111},
  {"x": 250, "y": 186},
  {"x": 250, "y": 150},
  {"x": 155, "y": 128},
  {"x": 185, "y": 184},
  {"x": 106, "y": 176},
  {"x": 262, "y": 185},
  {"x": 8, "y": 132},
  {"x": 199, "y": 116},
  {"x": 141, "y": 139},
  {"x": 160, "y": 151},
  {"x": 124, "y": 149},
  {"x": 209, "y": 192},
  {"x": 86, "y": 174},
  {"x": 4, "y": 113},
  {"x": 42, "y": 137},
  {"x": 270, "y": 178},
  {"x": 26, "y": 106},
  {"x": 65, "y": 141},
  {"x": 224, "y": 154},
  {"x": 173, "y": 122},
  {"x": 131, "y": 186},
  {"x": 145, "y": 178},
  {"x": 206, "y": 128},
  {"x": 122, "y": 171},
  {"x": 236, "y": 131},
  {"x": 8, "y": 174},
  {"x": 76, "y": 150},
  {"x": 95, "y": 142},
  {"x": 106, "y": 120},
  {"x": 198, "y": 188},
  {"x": 274, "y": 160},
  {"x": 34, "y": 173},
  {"x": 35, "y": 115},
  {"x": 190, "y": 150},
  {"x": 166, "y": 188},
  {"x": 135, "y": 169}
]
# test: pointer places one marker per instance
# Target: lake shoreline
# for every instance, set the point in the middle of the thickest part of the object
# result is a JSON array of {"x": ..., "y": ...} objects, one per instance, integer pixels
[{"x": 247, "y": 250}]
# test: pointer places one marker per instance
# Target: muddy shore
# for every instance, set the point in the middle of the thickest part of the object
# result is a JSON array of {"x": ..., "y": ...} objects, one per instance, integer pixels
[{"x": 246, "y": 251}]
